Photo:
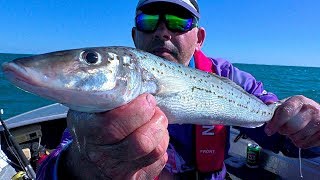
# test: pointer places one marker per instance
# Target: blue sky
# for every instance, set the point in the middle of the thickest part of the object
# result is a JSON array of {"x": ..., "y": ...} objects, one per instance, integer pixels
[{"x": 282, "y": 32}]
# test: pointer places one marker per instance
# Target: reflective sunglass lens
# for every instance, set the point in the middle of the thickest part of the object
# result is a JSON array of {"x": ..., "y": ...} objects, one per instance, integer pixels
[
  {"x": 145, "y": 22},
  {"x": 178, "y": 24}
]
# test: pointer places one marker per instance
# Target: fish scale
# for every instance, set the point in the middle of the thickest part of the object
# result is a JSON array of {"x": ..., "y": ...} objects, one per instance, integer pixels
[{"x": 185, "y": 95}]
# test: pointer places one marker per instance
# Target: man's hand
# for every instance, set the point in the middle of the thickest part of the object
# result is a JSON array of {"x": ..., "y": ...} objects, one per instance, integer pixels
[
  {"x": 125, "y": 143},
  {"x": 299, "y": 119}
]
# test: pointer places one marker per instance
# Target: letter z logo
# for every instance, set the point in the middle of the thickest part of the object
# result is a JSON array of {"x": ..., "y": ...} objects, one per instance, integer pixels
[{"x": 208, "y": 130}]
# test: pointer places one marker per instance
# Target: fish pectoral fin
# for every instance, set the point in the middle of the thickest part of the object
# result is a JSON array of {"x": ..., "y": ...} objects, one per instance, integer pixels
[{"x": 170, "y": 85}]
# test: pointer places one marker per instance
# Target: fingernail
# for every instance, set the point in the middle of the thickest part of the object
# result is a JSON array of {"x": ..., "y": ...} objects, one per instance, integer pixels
[{"x": 150, "y": 99}]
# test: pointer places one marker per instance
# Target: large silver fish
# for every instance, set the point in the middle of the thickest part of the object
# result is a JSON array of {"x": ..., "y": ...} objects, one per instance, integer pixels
[{"x": 104, "y": 78}]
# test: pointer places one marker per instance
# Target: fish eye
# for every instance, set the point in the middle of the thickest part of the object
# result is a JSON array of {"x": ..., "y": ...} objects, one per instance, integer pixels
[{"x": 90, "y": 57}]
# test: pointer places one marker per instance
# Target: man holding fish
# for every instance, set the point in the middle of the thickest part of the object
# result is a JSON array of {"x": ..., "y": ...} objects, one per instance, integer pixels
[{"x": 132, "y": 141}]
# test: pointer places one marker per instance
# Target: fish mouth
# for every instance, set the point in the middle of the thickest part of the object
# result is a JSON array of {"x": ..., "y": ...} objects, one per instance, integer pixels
[{"x": 17, "y": 74}]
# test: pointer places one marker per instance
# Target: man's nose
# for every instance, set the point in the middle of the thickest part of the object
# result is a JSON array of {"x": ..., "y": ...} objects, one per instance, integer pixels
[{"x": 162, "y": 32}]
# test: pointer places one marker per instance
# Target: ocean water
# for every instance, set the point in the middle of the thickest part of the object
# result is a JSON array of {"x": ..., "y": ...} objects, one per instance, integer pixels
[{"x": 284, "y": 81}]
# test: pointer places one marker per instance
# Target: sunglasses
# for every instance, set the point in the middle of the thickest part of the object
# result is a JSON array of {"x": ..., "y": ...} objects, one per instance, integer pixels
[{"x": 150, "y": 22}]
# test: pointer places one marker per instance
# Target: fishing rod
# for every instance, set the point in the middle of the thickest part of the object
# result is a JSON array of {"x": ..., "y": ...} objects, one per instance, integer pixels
[{"x": 29, "y": 170}]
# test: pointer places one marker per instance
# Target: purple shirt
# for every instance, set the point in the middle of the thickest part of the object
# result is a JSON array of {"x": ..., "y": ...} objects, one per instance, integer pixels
[{"x": 181, "y": 136}]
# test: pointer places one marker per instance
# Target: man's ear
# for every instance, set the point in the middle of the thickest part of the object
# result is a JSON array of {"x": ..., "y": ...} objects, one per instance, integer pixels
[
  {"x": 133, "y": 35},
  {"x": 201, "y": 36}
]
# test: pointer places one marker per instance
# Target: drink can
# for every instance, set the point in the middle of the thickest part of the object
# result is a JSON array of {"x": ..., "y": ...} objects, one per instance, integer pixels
[{"x": 253, "y": 155}]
